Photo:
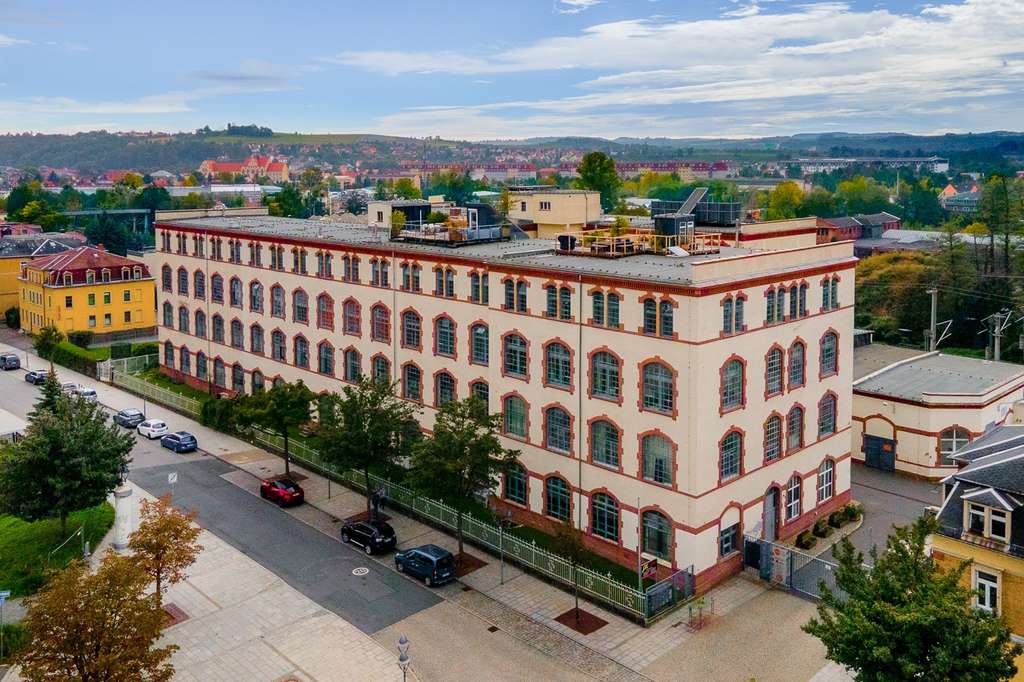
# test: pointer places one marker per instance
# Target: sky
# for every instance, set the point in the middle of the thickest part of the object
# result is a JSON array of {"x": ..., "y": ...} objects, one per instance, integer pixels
[{"x": 495, "y": 70}]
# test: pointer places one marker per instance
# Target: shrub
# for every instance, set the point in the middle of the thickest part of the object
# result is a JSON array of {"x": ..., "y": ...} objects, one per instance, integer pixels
[
  {"x": 821, "y": 528},
  {"x": 15, "y": 638},
  {"x": 120, "y": 350},
  {"x": 12, "y": 316},
  {"x": 805, "y": 540},
  {"x": 218, "y": 414},
  {"x": 852, "y": 511},
  {"x": 74, "y": 357},
  {"x": 146, "y": 348},
  {"x": 82, "y": 338},
  {"x": 837, "y": 518}
]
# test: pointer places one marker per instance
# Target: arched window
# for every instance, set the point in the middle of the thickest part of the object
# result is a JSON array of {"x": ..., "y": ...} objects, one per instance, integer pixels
[
  {"x": 730, "y": 452},
  {"x": 480, "y": 389},
  {"x": 558, "y": 365},
  {"x": 324, "y": 312},
  {"x": 521, "y": 296},
  {"x": 950, "y": 441},
  {"x": 480, "y": 344},
  {"x": 794, "y": 503},
  {"x": 780, "y": 305},
  {"x": 256, "y": 297},
  {"x": 794, "y": 306},
  {"x": 604, "y": 375},
  {"x": 514, "y": 409},
  {"x": 658, "y": 389},
  {"x": 604, "y": 443},
  {"x": 444, "y": 337},
  {"x": 732, "y": 384},
  {"x": 166, "y": 278},
  {"x": 300, "y": 306},
  {"x": 325, "y": 358},
  {"x": 564, "y": 303},
  {"x": 185, "y": 359},
  {"x": 769, "y": 306},
  {"x": 827, "y": 416},
  {"x": 411, "y": 330},
  {"x": 826, "y": 480},
  {"x": 183, "y": 319},
  {"x": 657, "y": 459},
  {"x": 829, "y": 346},
  {"x": 665, "y": 321},
  {"x": 657, "y": 535},
  {"x": 613, "y": 311},
  {"x": 200, "y": 365},
  {"x": 169, "y": 354},
  {"x": 168, "y": 315},
  {"x": 773, "y": 438},
  {"x": 650, "y": 316},
  {"x": 380, "y": 320},
  {"x": 773, "y": 372},
  {"x": 219, "y": 375},
  {"x": 256, "y": 339},
  {"x": 236, "y": 292},
  {"x": 200, "y": 324},
  {"x": 795, "y": 429},
  {"x": 182, "y": 282},
  {"x": 381, "y": 369},
  {"x": 352, "y": 314},
  {"x": 604, "y": 516},
  {"x": 597, "y": 299},
  {"x": 301, "y": 352},
  {"x": 514, "y": 355},
  {"x": 740, "y": 324},
  {"x": 557, "y": 429},
  {"x": 199, "y": 284},
  {"x": 444, "y": 389},
  {"x": 412, "y": 383},
  {"x": 515, "y": 484},
  {"x": 557, "y": 501},
  {"x": 278, "y": 346},
  {"x": 237, "y": 378},
  {"x": 218, "y": 329},
  {"x": 237, "y": 334},
  {"x": 803, "y": 300},
  {"x": 354, "y": 366},
  {"x": 257, "y": 381},
  {"x": 510, "y": 295},
  {"x": 797, "y": 354},
  {"x": 277, "y": 301},
  {"x": 835, "y": 293},
  {"x": 727, "y": 316}
]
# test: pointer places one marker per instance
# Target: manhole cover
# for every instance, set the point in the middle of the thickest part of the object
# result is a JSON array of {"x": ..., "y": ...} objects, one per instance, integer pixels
[{"x": 362, "y": 570}]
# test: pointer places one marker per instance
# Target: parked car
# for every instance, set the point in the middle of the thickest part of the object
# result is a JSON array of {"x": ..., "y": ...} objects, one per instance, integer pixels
[
  {"x": 434, "y": 565},
  {"x": 69, "y": 387},
  {"x": 129, "y": 418},
  {"x": 152, "y": 428},
  {"x": 35, "y": 377},
  {"x": 372, "y": 536},
  {"x": 86, "y": 393},
  {"x": 10, "y": 361},
  {"x": 180, "y": 441},
  {"x": 282, "y": 491}
]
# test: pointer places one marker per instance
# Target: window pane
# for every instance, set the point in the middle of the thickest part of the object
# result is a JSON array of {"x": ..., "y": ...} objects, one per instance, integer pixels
[
  {"x": 604, "y": 443},
  {"x": 657, "y": 459}
]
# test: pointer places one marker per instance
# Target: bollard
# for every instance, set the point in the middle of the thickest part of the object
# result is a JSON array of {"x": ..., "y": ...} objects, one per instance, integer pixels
[{"x": 122, "y": 516}]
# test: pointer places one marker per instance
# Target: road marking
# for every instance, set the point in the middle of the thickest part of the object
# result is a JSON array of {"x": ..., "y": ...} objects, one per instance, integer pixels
[{"x": 362, "y": 570}]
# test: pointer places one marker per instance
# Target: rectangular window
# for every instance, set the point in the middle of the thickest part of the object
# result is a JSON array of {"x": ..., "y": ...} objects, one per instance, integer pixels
[
  {"x": 67, "y": 301},
  {"x": 106, "y": 320},
  {"x": 552, "y": 308},
  {"x": 127, "y": 316},
  {"x": 976, "y": 519},
  {"x": 987, "y": 585},
  {"x": 92, "y": 299},
  {"x": 126, "y": 296},
  {"x": 728, "y": 540},
  {"x": 106, "y": 298},
  {"x": 485, "y": 289},
  {"x": 92, "y": 320},
  {"x": 997, "y": 525},
  {"x": 545, "y": 205}
]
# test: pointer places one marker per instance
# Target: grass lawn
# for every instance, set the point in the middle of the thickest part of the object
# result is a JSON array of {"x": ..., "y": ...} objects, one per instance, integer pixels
[
  {"x": 25, "y": 546},
  {"x": 153, "y": 376}
]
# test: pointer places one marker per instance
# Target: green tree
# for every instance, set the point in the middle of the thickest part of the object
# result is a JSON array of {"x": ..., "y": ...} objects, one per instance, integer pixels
[
  {"x": 283, "y": 408},
  {"x": 366, "y": 427},
  {"x": 404, "y": 189},
  {"x": 819, "y": 202},
  {"x": 503, "y": 206},
  {"x": 1000, "y": 208},
  {"x": 108, "y": 231},
  {"x": 597, "y": 172},
  {"x": 397, "y": 222},
  {"x": 784, "y": 200},
  {"x": 96, "y": 627},
  {"x": 356, "y": 203},
  {"x": 381, "y": 191},
  {"x": 462, "y": 457},
  {"x": 46, "y": 341},
  {"x": 569, "y": 544},
  {"x": 49, "y": 394},
  {"x": 153, "y": 198},
  {"x": 287, "y": 203},
  {"x": 71, "y": 458},
  {"x": 862, "y": 195},
  {"x": 906, "y": 619}
]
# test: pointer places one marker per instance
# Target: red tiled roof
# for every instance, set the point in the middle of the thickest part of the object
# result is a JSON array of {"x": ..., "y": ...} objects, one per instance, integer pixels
[
  {"x": 82, "y": 259},
  {"x": 275, "y": 166}
]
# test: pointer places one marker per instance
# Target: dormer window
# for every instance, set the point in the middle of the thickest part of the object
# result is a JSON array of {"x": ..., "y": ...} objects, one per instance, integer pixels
[
  {"x": 105, "y": 274},
  {"x": 987, "y": 521},
  {"x": 90, "y": 277},
  {"x": 68, "y": 279},
  {"x": 124, "y": 273},
  {"x": 137, "y": 273}
]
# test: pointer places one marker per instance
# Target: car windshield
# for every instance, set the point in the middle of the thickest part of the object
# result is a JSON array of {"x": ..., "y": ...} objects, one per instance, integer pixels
[
  {"x": 287, "y": 485},
  {"x": 157, "y": 425}
]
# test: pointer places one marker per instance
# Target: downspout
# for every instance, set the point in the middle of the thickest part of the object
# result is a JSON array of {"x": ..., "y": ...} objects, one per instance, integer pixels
[{"x": 579, "y": 406}]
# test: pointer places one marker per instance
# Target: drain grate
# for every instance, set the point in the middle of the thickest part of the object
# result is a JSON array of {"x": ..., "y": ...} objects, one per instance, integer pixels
[
  {"x": 467, "y": 588},
  {"x": 493, "y": 628}
]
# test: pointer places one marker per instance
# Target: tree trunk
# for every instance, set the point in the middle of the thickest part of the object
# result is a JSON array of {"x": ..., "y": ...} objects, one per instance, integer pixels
[
  {"x": 287, "y": 469},
  {"x": 576, "y": 590},
  {"x": 159, "y": 593}
]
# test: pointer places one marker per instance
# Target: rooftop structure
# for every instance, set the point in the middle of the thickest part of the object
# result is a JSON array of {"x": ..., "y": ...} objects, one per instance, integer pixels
[{"x": 937, "y": 377}]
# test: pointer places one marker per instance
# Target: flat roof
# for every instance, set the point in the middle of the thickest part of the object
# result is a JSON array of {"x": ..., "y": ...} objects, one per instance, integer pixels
[
  {"x": 936, "y": 373},
  {"x": 531, "y": 253},
  {"x": 877, "y": 356}
]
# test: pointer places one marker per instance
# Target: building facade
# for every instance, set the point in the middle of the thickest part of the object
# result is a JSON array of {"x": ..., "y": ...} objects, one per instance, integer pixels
[
  {"x": 18, "y": 249},
  {"x": 88, "y": 289},
  {"x": 553, "y": 211},
  {"x": 666, "y": 405}
]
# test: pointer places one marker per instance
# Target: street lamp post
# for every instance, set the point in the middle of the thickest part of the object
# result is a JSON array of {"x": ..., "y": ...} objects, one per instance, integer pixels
[{"x": 403, "y": 655}]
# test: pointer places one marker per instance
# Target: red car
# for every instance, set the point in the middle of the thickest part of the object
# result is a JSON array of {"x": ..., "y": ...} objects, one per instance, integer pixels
[{"x": 284, "y": 491}]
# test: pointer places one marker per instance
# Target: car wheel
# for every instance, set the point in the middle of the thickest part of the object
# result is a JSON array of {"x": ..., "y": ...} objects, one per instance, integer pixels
[
  {"x": 344, "y": 536},
  {"x": 400, "y": 567},
  {"x": 427, "y": 581},
  {"x": 280, "y": 502},
  {"x": 368, "y": 549},
  {"x": 263, "y": 493}
]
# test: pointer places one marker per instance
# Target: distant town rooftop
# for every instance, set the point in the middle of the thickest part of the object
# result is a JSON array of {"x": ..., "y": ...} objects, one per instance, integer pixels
[{"x": 930, "y": 376}]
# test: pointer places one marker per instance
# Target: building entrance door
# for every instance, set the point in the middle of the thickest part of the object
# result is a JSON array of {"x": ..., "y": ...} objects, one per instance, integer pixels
[
  {"x": 880, "y": 453},
  {"x": 771, "y": 514}
]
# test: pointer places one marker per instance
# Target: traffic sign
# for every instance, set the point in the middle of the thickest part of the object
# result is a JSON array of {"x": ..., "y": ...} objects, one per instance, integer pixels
[{"x": 172, "y": 477}]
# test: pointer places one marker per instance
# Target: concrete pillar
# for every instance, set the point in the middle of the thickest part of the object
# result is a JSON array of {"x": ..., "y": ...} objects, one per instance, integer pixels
[{"x": 122, "y": 516}]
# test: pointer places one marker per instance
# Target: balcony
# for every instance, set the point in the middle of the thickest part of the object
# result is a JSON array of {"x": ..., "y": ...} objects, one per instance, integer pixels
[{"x": 964, "y": 535}]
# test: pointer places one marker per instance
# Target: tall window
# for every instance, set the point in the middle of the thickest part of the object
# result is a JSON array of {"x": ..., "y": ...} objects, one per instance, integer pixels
[
  {"x": 169, "y": 354},
  {"x": 604, "y": 443},
  {"x": 729, "y": 456},
  {"x": 795, "y": 429},
  {"x": 236, "y": 292},
  {"x": 794, "y": 305},
  {"x": 256, "y": 297},
  {"x": 732, "y": 384},
  {"x": 658, "y": 387},
  {"x": 515, "y": 484},
  {"x": 604, "y": 375},
  {"x": 278, "y": 346},
  {"x": 219, "y": 377},
  {"x": 950, "y": 441},
  {"x": 514, "y": 409},
  {"x": 803, "y": 300},
  {"x": 218, "y": 329},
  {"x": 665, "y": 318},
  {"x": 257, "y": 381},
  {"x": 354, "y": 366},
  {"x": 738, "y": 306},
  {"x": 300, "y": 306},
  {"x": 597, "y": 300},
  {"x": 834, "y": 297},
  {"x": 564, "y": 303},
  {"x": 657, "y": 459},
  {"x": 325, "y": 358},
  {"x": 557, "y": 431},
  {"x": 183, "y": 319},
  {"x": 829, "y": 347},
  {"x": 256, "y": 339},
  {"x": 480, "y": 389},
  {"x": 351, "y": 317},
  {"x": 480, "y": 339},
  {"x": 301, "y": 352},
  {"x": 773, "y": 372},
  {"x": 166, "y": 278},
  {"x": 185, "y": 360},
  {"x": 277, "y": 301},
  {"x": 772, "y": 438},
  {"x": 200, "y": 324},
  {"x": 657, "y": 535},
  {"x": 604, "y": 516},
  {"x": 444, "y": 389},
  {"x": 769, "y": 306},
  {"x": 794, "y": 503},
  {"x": 412, "y": 383},
  {"x": 727, "y": 316},
  {"x": 411, "y": 331},
  {"x": 557, "y": 499},
  {"x": 182, "y": 282},
  {"x": 510, "y": 295},
  {"x": 521, "y": 296},
  {"x": 199, "y": 284},
  {"x": 217, "y": 289},
  {"x": 797, "y": 355},
  {"x": 380, "y": 318},
  {"x": 237, "y": 334},
  {"x": 324, "y": 312},
  {"x": 826, "y": 480},
  {"x": 613, "y": 311},
  {"x": 237, "y": 378},
  {"x": 558, "y": 365},
  {"x": 200, "y": 365},
  {"x": 381, "y": 368},
  {"x": 987, "y": 586},
  {"x": 827, "y": 416},
  {"x": 444, "y": 337},
  {"x": 514, "y": 355},
  {"x": 650, "y": 317}
]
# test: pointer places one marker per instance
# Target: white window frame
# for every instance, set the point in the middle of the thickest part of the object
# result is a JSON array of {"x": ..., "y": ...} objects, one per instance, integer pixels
[{"x": 987, "y": 589}]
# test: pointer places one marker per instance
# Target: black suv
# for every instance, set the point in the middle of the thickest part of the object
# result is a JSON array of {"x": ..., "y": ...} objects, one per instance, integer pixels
[
  {"x": 372, "y": 536},
  {"x": 129, "y": 418},
  {"x": 434, "y": 565}
]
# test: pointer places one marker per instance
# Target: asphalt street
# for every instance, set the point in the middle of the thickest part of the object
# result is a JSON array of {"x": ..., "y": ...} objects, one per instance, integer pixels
[{"x": 317, "y": 565}]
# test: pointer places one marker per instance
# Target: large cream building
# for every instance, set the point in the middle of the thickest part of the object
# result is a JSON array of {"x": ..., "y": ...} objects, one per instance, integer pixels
[{"x": 668, "y": 403}]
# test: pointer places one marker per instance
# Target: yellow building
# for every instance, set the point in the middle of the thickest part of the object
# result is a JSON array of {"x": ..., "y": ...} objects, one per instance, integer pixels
[
  {"x": 553, "y": 211},
  {"x": 88, "y": 289},
  {"x": 982, "y": 519},
  {"x": 16, "y": 250}
]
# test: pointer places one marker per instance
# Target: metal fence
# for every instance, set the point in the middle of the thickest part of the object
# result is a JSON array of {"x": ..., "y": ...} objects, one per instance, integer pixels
[
  {"x": 142, "y": 387},
  {"x": 791, "y": 568},
  {"x": 106, "y": 369}
]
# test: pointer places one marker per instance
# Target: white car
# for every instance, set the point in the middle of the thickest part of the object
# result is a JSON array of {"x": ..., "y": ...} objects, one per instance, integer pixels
[
  {"x": 86, "y": 393},
  {"x": 152, "y": 428},
  {"x": 69, "y": 387}
]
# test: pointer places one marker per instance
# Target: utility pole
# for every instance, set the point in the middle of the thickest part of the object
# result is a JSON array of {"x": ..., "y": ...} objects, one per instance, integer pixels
[
  {"x": 932, "y": 338},
  {"x": 997, "y": 333}
]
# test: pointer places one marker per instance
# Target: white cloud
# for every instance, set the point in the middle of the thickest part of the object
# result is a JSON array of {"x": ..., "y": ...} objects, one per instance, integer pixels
[
  {"x": 574, "y": 6},
  {"x": 8, "y": 41}
]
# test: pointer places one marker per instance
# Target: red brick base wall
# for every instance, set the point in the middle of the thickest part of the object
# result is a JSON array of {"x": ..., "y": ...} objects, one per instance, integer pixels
[
  {"x": 194, "y": 382},
  {"x": 805, "y": 521}
]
